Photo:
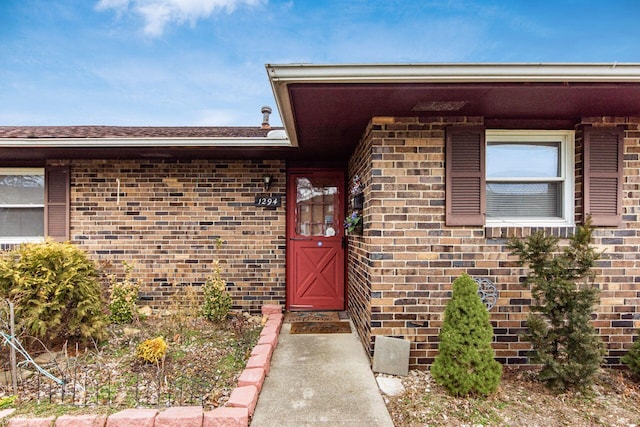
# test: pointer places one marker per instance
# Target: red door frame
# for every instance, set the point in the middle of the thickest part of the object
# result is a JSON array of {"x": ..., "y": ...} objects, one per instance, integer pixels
[{"x": 290, "y": 225}]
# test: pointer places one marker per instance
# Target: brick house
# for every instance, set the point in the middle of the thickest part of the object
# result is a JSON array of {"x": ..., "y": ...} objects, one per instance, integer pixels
[{"x": 442, "y": 163}]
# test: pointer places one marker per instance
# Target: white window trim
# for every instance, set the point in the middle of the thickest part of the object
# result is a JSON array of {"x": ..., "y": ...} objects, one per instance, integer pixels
[
  {"x": 567, "y": 148},
  {"x": 14, "y": 240},
  {"x": 19, "y": 240}
]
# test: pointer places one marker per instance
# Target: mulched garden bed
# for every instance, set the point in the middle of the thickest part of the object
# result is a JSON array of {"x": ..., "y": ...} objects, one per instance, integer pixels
[{"x": 521, "y": 400}]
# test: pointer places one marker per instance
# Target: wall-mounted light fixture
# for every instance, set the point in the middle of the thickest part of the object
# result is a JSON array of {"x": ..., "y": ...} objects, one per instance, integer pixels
[{"x": 266, "y": 180}]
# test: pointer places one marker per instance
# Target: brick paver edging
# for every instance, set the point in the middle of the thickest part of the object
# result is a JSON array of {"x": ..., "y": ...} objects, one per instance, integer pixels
[{"x": 236, "y": 413}]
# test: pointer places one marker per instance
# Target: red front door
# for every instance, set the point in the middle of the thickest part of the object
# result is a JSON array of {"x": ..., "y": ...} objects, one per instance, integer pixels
[{"x": 315, "y": 252}]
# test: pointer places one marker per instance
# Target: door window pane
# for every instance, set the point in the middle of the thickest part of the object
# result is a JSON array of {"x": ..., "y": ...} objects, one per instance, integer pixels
[{"x": 315, "y": 208}]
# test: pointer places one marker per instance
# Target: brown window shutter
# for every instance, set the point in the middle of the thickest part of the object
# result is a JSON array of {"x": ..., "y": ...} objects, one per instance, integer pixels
[
  {"x": 603, "y": 175},
  {"x": 56, "y": 210},
  {"x": 465, "y": 176}
]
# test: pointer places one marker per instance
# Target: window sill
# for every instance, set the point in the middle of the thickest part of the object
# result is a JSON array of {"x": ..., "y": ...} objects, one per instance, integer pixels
[
  {"x": 508, "y": 231},
  {"x": 529, "y": 222},
  {"x": 18, "y": 240}
]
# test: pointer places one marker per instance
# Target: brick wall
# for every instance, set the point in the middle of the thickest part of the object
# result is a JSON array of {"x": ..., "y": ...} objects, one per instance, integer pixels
[
  {"x": 167, "y": 217},
  {"x": 407, "y": 258},
  {"x": 358, "y": 272}
]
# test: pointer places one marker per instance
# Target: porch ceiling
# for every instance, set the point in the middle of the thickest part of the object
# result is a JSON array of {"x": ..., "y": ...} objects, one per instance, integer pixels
[{"x": 326, "y": 108}]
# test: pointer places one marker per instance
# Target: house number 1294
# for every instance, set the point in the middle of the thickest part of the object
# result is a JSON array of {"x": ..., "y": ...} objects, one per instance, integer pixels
[{"x": 268, "y": 201}]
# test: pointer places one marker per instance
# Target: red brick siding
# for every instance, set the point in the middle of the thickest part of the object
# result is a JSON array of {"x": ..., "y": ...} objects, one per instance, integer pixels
[
  {"x": 168, "y": 216},
  {"x": 413, "y": 257}
]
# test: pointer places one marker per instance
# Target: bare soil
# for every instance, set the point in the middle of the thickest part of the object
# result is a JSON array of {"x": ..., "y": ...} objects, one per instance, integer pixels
[{"x": 521, "y": 400}]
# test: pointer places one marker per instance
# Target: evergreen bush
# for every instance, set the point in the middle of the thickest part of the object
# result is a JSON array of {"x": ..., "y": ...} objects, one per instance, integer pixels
[
  {"x": 465, "y": 363},
  {"x": 632, "y": 358},
  {"x": 55, "y": 289},
  {"x": 563, "y": 338}
]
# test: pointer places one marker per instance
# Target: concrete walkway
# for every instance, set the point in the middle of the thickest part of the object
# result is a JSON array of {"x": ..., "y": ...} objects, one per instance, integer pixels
[{"x": 320, "y": 380}]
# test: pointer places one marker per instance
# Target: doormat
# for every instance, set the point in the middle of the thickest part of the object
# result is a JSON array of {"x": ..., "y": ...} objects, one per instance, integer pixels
[
  {"x": 320, "y": 328},
  {"x": 312, "y": 316}
]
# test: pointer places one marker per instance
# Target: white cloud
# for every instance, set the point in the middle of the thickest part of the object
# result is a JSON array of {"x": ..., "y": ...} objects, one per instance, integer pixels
[
  {"x": 157, "y": 14},
  {"x": 112, "y": 4}
]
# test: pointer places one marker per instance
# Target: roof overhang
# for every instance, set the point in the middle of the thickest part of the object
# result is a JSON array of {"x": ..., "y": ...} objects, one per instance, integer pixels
[
  {"x": 281, "y": 141},
  {"x": 42, "y": 148},
  {"x": 325, "y": 108}
]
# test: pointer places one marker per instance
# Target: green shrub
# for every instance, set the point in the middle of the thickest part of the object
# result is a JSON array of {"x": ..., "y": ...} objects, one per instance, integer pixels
[
  {"x": 563, "y": 338},
  {"x": 217, "y": 301},
  {"x": 7, "y": 402},
  {"x": 152, "y": 350},
  {"x": 632, "y": 358},
  {"x": 55, "y": 289},
  {"x": 124, "y": 294},
  {"x": 465, "y": 363}
]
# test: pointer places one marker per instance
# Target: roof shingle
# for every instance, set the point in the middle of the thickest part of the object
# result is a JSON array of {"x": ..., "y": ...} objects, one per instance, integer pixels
[{"x": 132, "y": 132}]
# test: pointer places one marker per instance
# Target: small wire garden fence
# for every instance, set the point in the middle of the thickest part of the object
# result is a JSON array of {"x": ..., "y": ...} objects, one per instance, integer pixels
[
  {"x": 83, "y": 378},
  {"x": 100, "y": 387}
]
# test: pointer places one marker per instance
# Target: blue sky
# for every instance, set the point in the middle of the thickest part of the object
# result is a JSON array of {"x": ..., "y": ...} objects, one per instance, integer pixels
[{"x": 201, "y": 62}]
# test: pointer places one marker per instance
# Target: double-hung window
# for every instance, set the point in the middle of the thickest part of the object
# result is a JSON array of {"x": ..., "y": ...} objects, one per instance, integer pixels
[
  {"x": 526, "y": 177},
  {"x": 529, "y": 177},
  {"x": 22, "y": 202}
]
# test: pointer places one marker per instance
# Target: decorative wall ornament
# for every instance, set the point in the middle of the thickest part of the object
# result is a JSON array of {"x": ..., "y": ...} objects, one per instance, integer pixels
[
  {"x": 353, "y": 223},
  {"x": 356, "y": 187},
  {"x": 488, "y": 291}
]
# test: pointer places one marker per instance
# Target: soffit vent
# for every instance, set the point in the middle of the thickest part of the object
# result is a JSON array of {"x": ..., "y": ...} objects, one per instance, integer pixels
[{"x": 439, "y": 105}]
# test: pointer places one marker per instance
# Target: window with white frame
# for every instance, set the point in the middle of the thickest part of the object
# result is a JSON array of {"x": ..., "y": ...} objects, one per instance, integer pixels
[
  {"x": 529, "y": 177},
  {"x": 21, "y": 204}
]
